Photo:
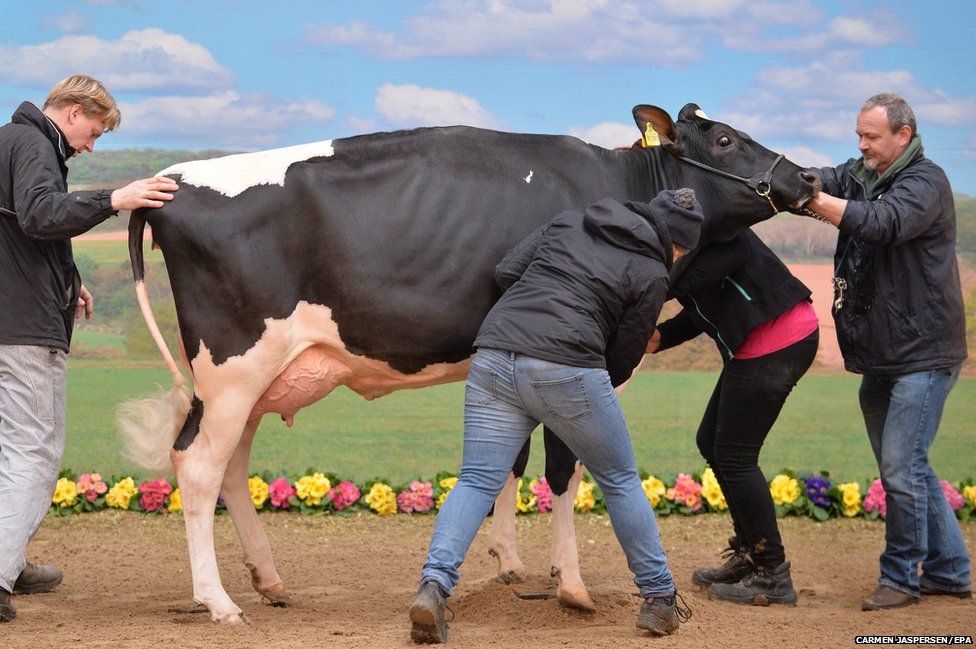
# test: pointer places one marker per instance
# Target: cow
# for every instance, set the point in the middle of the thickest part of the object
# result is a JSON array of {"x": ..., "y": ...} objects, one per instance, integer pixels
[{"x": 368, "y": 262}]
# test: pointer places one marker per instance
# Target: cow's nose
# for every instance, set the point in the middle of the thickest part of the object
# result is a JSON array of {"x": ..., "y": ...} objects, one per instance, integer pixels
[{"x": 810, "y": 176}]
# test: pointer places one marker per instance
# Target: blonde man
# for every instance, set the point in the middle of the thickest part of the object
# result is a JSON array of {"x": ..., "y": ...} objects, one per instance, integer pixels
[{"x": 41, "y": 294}]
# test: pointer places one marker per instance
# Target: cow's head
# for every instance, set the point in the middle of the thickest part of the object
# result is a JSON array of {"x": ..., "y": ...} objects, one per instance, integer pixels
[{"x": 740, "y": 182}]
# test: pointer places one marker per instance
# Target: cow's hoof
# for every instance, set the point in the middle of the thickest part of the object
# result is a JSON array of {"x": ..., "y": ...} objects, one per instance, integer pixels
[
  {"x": 511, "y": 570},
  {"x": 275, "y": 595},
  {"x": 572, "y": 595},
  {"x": 230, "y": 619}
]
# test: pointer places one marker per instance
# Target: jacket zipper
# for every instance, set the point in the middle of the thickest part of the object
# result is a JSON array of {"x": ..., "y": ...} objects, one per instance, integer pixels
[
  {"x": 718, "y": 333},
  {"x": 741, "y": 290}
]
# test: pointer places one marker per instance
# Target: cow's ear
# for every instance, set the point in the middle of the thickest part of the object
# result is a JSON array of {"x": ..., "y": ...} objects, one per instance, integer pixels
[{"x": 653, "y": 119}]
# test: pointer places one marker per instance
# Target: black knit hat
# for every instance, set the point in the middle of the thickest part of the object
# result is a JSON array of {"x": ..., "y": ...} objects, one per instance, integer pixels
[{"x": 681, "y": 213}]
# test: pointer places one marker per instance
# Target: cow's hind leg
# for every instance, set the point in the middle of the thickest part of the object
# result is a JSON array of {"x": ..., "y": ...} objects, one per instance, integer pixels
[
  {"x": 200, "y": 455},
  {"x": 564, "y": 474},
  {"x": 257, "y": 549},
  {"x": 501, "y": 539}
]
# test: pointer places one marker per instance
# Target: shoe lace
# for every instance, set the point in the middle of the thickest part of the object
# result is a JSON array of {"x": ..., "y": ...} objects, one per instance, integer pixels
[
  {"x": 681, "y": 608},
  {"x": 451, "y": 611}
]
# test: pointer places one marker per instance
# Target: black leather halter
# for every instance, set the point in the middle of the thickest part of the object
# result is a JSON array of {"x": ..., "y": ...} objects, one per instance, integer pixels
[{"x": 760, "y": 183}]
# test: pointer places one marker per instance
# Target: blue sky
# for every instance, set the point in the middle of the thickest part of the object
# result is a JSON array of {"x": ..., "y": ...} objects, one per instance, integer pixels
[{"x": 251, "y": 75}]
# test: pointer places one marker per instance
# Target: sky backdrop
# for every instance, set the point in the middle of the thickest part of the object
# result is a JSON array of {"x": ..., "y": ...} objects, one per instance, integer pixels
[{"x": 257, "y": 74}]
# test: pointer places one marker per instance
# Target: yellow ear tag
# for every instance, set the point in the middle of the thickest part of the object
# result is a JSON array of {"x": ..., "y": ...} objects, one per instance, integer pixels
[{"x": 650, "y": 137}]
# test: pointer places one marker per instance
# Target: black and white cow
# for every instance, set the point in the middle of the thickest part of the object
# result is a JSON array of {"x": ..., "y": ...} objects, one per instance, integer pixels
[{"x": 368, "y": 262}]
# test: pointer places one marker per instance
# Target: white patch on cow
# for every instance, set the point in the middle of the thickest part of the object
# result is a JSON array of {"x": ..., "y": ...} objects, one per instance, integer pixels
[
  {"x": 301, "y": 359},
  {"x": 528, "y": 178},
  {"x": 701, "y": 113},
  {"x": 232, "y": 174}
]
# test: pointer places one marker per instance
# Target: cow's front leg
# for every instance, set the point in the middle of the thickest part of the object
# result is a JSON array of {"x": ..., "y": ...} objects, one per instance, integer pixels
[
  {"x": 257, "y": 549},
  {"x": 200, "y": 455},
  {"x": 565, "y": 567},
  {"x": 501, "y": 540}
]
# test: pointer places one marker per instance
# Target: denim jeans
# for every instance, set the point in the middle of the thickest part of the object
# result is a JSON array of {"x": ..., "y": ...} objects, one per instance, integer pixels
[
  {"x": 902, "y": 415},
  {"x": 506, "y": 397}
]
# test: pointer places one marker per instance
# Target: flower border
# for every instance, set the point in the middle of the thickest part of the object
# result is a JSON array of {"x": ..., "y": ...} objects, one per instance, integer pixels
[{"x": 814, "y": 495}]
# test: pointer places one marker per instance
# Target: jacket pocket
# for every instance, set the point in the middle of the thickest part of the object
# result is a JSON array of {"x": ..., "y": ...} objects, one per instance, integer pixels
[
  {"x": 906, "y": 323},
  {"x": 565, "y": 398}
]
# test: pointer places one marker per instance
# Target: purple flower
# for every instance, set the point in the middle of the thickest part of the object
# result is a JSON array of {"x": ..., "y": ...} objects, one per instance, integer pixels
[{"x": 817, "y": 488}]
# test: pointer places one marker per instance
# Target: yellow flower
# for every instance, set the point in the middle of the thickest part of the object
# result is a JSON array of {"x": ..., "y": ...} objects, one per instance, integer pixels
[
  {"x": 259, "y": 490},
  {"x": 448, "y": 483},
  {"x": 441, "y": 499},
  {"x": 121, "y": 493},
  {"x": 852, "y": 498},
  {"x": 523, "y": 505},
  {"x": 712, "y": 491},
  {"x": 310, "y": 488},
  {"x": 382, "y": 499},
  {"x": 65, "y": 493},
  {"x": 784, "y": 489},
  {"x": 654, "y": 489},
  {"x": 969, "y": 493},
  {"x": 176, "y": 501},
  {"x": 584, "y": 501}
]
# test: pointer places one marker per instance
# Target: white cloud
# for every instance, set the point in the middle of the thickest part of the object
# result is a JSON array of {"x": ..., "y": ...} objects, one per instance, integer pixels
[
  {"x": 705, "y": 9},
  {"x": 805, "y": 157},
  {"x": 150, "y": 59},
  {"x": 225, "y": 118},
  {"x": 609, "y": 135},
  {"x": 69, "y": 23},
  {"x": 410, "y": 105},
  {"x": 360, "y": 125}
]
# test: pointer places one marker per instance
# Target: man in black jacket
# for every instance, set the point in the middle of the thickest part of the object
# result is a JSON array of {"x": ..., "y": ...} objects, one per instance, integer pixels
[
  {"x": 40, "y": 295},
  {"x": 900, "y": 323}
]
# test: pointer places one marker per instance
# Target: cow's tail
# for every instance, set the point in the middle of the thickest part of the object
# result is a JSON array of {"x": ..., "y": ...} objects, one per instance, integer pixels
[{"x": 149, "y": 426}]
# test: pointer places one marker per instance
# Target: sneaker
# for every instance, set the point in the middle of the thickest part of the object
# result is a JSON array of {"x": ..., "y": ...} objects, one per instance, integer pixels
[
  {"x": 735, "y": 568},
  {"x": 7, "y": 611},
  {"x": 763, "y": 587},
  {"x": 662, "y": 615},
  {"x": 37, "y": 578},
  {"x": 427, "y": 615},
  {"x": 884, "y": 598}
]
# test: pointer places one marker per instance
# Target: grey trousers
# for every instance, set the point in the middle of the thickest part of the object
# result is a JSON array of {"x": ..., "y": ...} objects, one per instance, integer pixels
[{"x": 33, "y": 383}]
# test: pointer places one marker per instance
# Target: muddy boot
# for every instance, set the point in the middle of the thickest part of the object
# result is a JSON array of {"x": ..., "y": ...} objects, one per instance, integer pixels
[
  {"x": 662, "y": 615},
  {"x": 763, "y": 587},
  {"x": 735, "y": 568},
  {"x": 37, "y": 578},
  {"x": 7, "y": 611},
  {"x": 427, "y": 615}
]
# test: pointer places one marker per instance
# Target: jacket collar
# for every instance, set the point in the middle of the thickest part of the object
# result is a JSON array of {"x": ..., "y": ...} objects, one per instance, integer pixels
[
  {"x": 873, "y": 184},
  {"x": 28, "y": 113}
]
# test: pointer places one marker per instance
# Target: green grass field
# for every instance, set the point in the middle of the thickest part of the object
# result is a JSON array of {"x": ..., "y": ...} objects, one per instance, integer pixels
[{"x": 418, "y": 432}]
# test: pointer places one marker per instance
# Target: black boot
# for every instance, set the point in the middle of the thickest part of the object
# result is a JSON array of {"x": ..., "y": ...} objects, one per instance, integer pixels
[
  {"x": 7, "y": 611},
  {"x": 662, "y": 615},
  {"x": 427, "y": 615},
  {"x": 764, "y": 587},
  {"x": 735, "y": 568}
]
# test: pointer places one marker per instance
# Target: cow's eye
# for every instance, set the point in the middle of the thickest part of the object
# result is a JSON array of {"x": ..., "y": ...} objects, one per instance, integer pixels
[{"x": 724, "y": 141}]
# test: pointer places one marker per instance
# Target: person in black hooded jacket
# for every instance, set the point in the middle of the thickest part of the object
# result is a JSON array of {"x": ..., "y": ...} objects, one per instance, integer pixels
[
  {"x": 41, "y": 294},
  {"x": 582, "y": 296},
  {"x": 759, "y": 315}
]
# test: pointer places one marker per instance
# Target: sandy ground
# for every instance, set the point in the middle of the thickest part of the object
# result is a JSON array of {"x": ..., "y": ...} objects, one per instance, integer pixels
[{"x": 127, "y": 584}]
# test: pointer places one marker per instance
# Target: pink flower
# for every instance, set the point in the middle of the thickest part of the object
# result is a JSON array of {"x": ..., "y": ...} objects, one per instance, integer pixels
[
  {"x": 280, "y": 491},
  {"x": 543, "y": 495},
  {"x": 154, "y": 494},
  {"x": 91, "y": 486},
  {"x": 875, "y": 499},
  {"x": 344, "y": 495},
  {"x": 686, "y": 491},
  {"x": 418, "y": 497},
  {"x": 952, "y": 495}
]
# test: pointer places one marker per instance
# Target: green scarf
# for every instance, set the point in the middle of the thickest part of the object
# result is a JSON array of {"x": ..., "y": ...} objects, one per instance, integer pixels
[{"x": 874, "y": 185}]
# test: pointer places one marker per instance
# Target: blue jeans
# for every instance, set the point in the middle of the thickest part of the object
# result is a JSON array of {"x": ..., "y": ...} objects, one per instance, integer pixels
[
  {"x": 506, "y": 397},
  {"x": 902, "y": 415}
]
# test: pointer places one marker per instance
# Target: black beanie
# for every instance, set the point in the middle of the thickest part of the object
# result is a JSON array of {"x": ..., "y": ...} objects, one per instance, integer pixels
[{"x": 681, "y": 213}]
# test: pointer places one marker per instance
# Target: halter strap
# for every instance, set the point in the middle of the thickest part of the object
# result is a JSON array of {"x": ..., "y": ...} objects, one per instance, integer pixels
[{"x": 760, "y": 183}]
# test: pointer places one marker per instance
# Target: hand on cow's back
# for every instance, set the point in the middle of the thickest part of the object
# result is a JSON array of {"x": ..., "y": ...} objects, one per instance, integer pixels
[{"x": 148, "y": 192}]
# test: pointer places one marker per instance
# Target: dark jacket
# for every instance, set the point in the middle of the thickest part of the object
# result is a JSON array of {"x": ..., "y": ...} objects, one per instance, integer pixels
[
  {"x": 728, "y": 290},
  {"x": 903, "y": 309},
  {"x": 583, "y": 290},
  {"x": 38, "y": 279}
]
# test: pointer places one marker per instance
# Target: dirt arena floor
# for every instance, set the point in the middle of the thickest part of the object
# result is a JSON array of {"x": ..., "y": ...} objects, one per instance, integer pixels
[{"x": 127, "y": 584}]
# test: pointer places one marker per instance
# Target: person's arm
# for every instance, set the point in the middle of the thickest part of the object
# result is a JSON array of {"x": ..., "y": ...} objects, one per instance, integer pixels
[
  {"x": 518, "y": 258},
  {"x": 710, "y": 266},
  {"x": 681, "y": 328},
  {"x": 86, "y": 304},
  {"x": 627, "y": 343}
]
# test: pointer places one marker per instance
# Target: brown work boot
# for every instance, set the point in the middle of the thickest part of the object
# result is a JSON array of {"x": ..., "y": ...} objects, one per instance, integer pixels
[
  {"x": 735, "y": 568},
  {"x": 662, "y": 615},
  {"x": 958, "y": 594},
  {"x": 7, "y": 611},
  {"x": 885, "y": 598},
  {"x": 429, "y": 625},
  {"x": 37, "y": 578}
]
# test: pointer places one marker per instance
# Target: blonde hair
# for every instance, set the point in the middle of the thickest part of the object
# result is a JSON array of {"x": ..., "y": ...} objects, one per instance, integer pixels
[{"x": 94, "y": 99}]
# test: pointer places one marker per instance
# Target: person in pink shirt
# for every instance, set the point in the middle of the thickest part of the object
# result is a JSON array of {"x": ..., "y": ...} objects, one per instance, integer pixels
[{"x": 762, "y": 321}]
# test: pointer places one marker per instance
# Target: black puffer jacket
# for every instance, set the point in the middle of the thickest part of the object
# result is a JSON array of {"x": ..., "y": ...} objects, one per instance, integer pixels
[
  {"x": 728, "y": 290},
  {"x": 583, "y": 290},
  {"x": 38, "y": 279},
  {"x": 903, "y": 308}
]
